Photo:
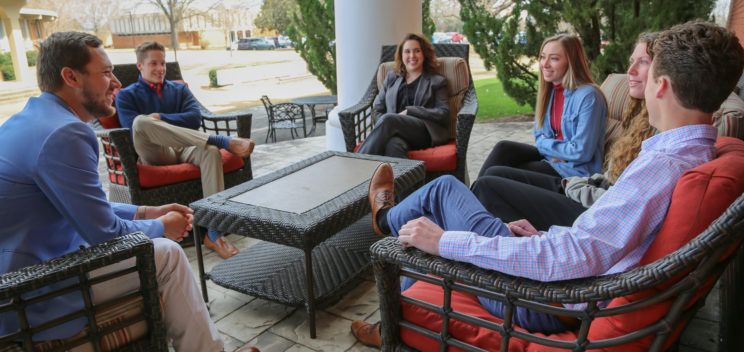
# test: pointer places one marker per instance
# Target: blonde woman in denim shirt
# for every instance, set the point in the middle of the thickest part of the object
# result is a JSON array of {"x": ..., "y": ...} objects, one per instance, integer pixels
[{"x": 570, "y": 117}]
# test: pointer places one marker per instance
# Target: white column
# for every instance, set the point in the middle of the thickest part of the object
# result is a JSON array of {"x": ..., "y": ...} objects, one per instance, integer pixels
[
  {"x": 362, "y": 28},
  {"x": 15, "y": 38}
]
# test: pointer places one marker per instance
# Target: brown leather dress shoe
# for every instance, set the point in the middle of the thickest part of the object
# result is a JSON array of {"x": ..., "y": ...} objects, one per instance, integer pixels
[
  {"x": 366, "y": 333},
  {"x": 381, "y": 193},
  {"x": 247, "y": 349},
  {"x": 223, "y": 247},
  {"x": 241, "y": 147}
]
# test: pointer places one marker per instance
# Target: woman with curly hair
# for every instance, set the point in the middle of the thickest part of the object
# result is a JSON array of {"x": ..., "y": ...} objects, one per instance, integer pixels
[
  {"x": 543, "y": 200},
  {"x": 570, "y": 117},
  {"x": 411, "y": 110}
]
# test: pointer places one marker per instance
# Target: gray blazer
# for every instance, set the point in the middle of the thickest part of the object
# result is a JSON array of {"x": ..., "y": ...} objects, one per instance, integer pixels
[{"x": 430, "y": 103}]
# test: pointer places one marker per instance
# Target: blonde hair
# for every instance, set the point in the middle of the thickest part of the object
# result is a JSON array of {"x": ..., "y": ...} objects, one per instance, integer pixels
[
  {"x": 577, "y": 74},
  {"x": 636, "y": 127}
]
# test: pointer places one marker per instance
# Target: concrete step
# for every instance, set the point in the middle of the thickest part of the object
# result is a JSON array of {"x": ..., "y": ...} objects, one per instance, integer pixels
[{"x": 18, "y": 95}]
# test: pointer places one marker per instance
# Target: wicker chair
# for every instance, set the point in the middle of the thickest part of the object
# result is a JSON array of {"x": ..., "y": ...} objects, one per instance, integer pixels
[
  {"x": 106, "y": 329},
  {"x": 673, "y": 283},
  {"x": 357, "y": 120},
  {"x": 125, "y": 174}
]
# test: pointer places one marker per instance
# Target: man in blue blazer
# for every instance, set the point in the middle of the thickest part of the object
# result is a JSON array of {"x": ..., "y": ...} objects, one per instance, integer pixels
[{"x": 52, "y": 203}]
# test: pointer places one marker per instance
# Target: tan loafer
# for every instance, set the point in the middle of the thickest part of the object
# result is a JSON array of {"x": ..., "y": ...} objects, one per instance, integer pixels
[
  {"x": 381, "y": 193},
  {"x": 241, "y": 147},
  {"x": 368, "y": 334},
  {"x": 223, "y": 247}
]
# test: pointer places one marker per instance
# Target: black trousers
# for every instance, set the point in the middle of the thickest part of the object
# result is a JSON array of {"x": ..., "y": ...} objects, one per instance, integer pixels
[
  {"x": 517, "y": 155},
  {"x": 394, "y": 135},
  {"x": 512, "y": 200}
]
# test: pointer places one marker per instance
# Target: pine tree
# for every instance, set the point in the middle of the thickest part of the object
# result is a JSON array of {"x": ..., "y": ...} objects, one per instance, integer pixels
[
  {"x": 494, "y": 26},
  {"x": 427, "y": 24},
  {"x": 313, "y": 31}
]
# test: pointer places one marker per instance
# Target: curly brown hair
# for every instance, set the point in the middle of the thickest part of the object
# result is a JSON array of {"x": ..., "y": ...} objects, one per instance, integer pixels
[
  {"x": 635, "y": 126},
  {"x": 430, "y": 59}
]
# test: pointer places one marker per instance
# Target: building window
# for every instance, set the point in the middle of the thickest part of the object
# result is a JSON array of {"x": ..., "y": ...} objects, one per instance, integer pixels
[
  {"x": 24, "y": 28},
  {"x": 38, "y": 29}
]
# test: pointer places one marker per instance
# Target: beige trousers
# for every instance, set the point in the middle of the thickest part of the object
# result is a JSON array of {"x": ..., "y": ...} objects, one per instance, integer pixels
[
  {"x": 160, "y": 143},
  {"x": 186, "y": 316}
]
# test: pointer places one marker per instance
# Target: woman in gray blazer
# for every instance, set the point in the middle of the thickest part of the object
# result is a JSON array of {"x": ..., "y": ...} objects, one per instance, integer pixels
[{"x": 412, "y": 102}]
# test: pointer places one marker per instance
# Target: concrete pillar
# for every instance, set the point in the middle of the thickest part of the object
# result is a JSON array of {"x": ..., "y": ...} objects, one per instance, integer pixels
[
  {"x": 12, "y": 10},
  {"x": 362, "y": 27}
]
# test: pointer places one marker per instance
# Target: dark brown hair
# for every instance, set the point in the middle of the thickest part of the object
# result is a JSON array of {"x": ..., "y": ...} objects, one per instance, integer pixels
[
  {"x": 703, "y": 62},
  {"x": 143, "y": 48},
  {"x": 430, "y": 59},
  {"x": 60, "y": 50}
]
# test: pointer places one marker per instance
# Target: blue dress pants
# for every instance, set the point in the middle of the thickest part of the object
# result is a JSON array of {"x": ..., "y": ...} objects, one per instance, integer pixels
[{"x": 450, "y": 204}]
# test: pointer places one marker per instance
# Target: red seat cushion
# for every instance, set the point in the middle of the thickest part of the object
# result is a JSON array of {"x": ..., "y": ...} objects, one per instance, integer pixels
[
  {"x": 161, "y": 175},
  {"x": 702, "y": 194},
  {"x": 439, "y": 158}
]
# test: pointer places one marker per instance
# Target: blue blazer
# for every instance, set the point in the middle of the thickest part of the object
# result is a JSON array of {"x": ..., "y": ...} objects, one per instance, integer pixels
[
  {"x": 52, "y": 203},
  {"x": 583, "y": 127}
]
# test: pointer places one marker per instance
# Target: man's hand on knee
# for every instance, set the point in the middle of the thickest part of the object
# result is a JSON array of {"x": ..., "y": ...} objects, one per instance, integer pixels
[
  {"x": 155, "y": 115},
  {"x": 421, "y": 233}
]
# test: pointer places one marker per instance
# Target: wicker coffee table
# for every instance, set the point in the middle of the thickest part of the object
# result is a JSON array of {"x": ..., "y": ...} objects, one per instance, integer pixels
[{"x": 314, "y": 219}]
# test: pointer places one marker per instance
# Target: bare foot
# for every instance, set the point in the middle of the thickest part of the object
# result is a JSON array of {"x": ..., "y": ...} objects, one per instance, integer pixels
[{"x": 241, "y": 147}]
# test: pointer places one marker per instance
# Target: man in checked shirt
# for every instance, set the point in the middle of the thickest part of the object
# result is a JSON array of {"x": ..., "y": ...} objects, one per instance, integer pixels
[{"x": 696, "y": 65}]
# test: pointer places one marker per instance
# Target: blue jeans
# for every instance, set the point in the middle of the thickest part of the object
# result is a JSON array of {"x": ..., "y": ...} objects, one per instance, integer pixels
[{"x": 450, "y": 204}]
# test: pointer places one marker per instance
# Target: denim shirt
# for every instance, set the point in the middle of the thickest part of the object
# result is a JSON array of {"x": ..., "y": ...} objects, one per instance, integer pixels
[{"x": 583, "y": 125}]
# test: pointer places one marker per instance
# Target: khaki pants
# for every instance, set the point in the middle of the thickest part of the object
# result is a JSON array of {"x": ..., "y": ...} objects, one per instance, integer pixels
[
  {"x": 160, "y": 143},
  {"x": 186, "y": 316}
]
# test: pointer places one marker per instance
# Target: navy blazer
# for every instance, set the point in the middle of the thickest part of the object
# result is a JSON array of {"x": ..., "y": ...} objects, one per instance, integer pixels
[{"x": 430, "y": 103}]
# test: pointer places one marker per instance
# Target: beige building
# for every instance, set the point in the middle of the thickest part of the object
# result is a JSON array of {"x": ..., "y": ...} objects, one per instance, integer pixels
[
  {"x": 216, "y": 28},
  {"x": 736, "y": 19},
  {"x": 21, "y": 29}
]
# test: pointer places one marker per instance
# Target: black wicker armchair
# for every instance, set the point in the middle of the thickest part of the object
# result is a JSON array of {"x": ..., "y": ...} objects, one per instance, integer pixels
[
  {"x": 649, "y": 305},
  {"x": 357, "y": 120},
  {"x": 132, "y": 312},
  {"x": 121, "y": 159}
]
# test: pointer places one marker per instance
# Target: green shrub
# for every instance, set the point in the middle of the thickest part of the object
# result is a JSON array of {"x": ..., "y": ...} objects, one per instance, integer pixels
[
  {"x": 213, "y": 77},
  {"x": 31, "y": 57},
  {"x": 6, "y": 65}
]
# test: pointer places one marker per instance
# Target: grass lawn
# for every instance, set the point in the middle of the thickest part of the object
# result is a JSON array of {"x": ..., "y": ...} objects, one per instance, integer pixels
[{"x": 493, "y": 103}]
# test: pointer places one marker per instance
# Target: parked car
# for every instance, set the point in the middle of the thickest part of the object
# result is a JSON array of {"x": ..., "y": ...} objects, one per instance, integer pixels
[
  {"x": 256, "y": 44},
  {"x": 280, "y": 41}
]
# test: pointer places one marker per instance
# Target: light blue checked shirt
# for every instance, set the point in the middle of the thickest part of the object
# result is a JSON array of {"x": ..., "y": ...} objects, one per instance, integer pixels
[{"x": 609, "y": 237}]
